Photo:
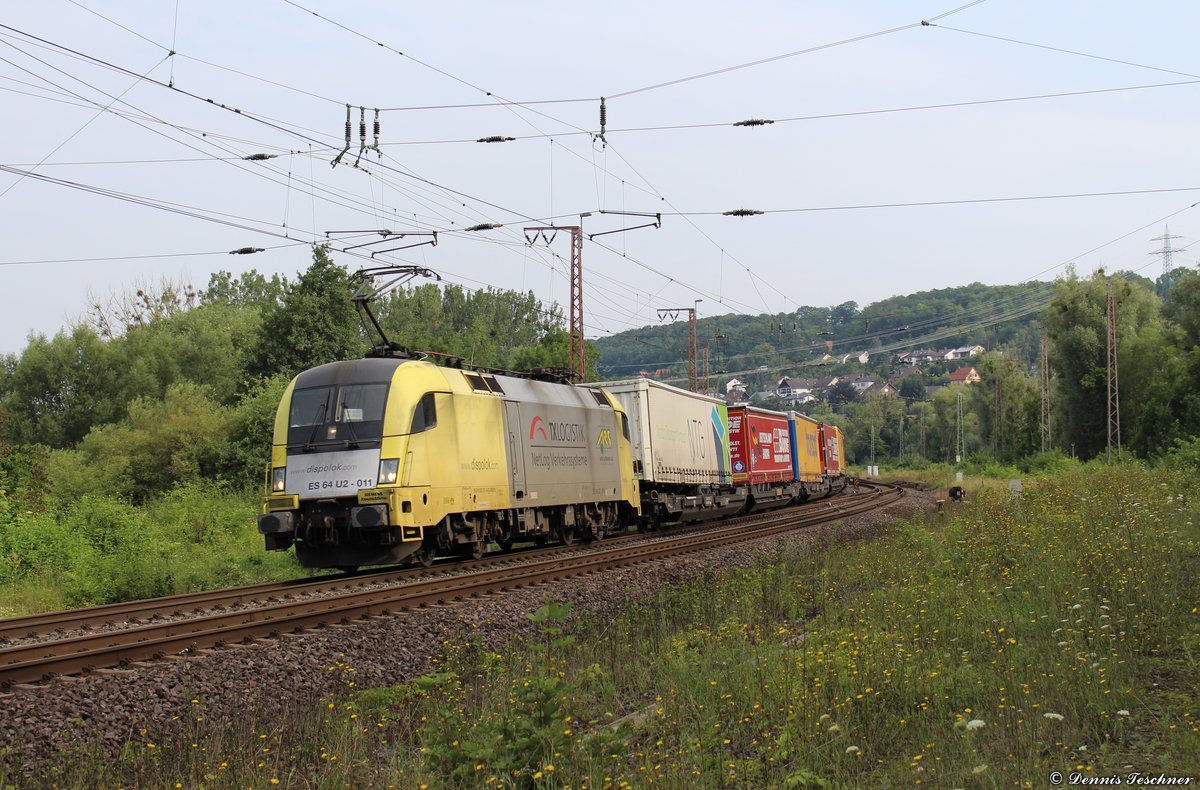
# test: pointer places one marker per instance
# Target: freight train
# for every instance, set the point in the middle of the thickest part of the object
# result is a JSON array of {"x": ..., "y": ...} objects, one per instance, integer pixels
[{"x": 386, "y": 460}]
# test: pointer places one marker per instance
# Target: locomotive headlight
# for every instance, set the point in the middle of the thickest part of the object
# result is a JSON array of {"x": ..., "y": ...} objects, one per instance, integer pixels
[
  {"x": 389, "y": 470},
  {"x": 278, "y": 479}
]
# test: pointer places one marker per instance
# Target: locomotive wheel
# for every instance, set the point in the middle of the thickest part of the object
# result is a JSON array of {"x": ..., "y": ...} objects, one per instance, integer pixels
[
  {"x": 424, "y": 555},
  {"x": 567, "y": 536},
  {"x": 474, "y": 549}
]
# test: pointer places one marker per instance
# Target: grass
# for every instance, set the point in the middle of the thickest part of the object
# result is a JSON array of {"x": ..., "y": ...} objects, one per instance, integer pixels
[{"x": 984, "y": 648}]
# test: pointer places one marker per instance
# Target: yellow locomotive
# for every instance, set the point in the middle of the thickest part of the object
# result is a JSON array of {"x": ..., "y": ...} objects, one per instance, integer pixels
[{"x": 379, "y": 460}]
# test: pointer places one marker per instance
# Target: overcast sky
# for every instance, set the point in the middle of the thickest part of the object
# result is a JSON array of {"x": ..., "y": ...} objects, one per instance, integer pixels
[{"x": 88, "y": 114}]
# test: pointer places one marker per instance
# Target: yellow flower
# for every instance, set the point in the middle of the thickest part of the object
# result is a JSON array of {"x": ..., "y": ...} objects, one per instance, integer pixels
[{"x": 538, "y": 775}]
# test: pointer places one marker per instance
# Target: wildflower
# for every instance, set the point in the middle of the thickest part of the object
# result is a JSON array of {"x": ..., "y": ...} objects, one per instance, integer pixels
[
  {"x": 274, "y": 781},
  {"x": 834, "y": 729},
  {"x": 538, "y": 775},
  {"x": 853, "y": 750},
  {"x": 1122, "y": 713},
  {"x": 975, "y": 724},
  {"x": 1055, "y": 716}
]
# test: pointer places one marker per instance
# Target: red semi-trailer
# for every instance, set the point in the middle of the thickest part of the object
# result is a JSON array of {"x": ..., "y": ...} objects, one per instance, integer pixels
[{"x": 760, "y": 451}]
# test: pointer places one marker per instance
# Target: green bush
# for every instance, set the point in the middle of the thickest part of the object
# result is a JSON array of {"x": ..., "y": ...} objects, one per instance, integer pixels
[
  {"x": 247, "y": 449},
  {"x": 1051, "y": 462},
  {"x": 160, "y": 444},
  {"x": 1185, "y": 453}
]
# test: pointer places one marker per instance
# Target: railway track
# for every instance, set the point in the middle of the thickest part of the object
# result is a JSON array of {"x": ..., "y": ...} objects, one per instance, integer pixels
[{"x": 295, "y": 606}]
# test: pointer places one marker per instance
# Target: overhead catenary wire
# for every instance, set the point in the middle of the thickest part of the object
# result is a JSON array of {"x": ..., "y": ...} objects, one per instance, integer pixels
[
  {"x": 1066, "y": 51},
  {"x": 315, "y": 225},
  {"x": 784, "y": 56},
  {"x": 164, "y": 255},
  {"x": 960, "y": 202}
]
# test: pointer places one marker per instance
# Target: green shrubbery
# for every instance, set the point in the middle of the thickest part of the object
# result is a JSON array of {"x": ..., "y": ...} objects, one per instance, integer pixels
[{"x": 97, "y": 549}]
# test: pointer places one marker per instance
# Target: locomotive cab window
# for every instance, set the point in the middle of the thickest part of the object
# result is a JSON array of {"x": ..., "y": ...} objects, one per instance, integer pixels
[
  {"x": 425, "y": 415},
  {"x": 361, "y": 403},
  {"x": 309, "y": 406},
  {"x": 345, "y": 416},
  {"x": 625, "y": 426}
]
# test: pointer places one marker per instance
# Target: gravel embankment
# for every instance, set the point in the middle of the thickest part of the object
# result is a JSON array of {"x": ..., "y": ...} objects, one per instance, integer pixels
[{"x": 266, "y": 680}]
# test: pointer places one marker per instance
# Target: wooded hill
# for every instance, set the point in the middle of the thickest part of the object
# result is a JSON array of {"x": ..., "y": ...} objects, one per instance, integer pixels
[{"x": 996, "y": 317}]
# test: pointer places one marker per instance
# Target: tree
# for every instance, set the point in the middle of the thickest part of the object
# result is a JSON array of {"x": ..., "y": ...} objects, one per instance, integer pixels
[
  {"x": 59, "y": 388},
  {"x": 164, "y": 441},
  {"x": 248, "y": 289},
  {"x": 1077, "y": 325},
  {"x": 315, "y": 322},
  {"x": 143, "y": 304},
  {"x": 1002, "y": 401}
]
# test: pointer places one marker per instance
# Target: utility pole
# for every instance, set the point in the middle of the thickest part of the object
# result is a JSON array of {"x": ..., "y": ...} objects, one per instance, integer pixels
[
  {"x": 1114, "y": 386},
  {"x": 704, "y": 378},
  {"x": 1044, "y": 366},
  {"x": 959, "y": 444},
  {"x": 575, "y": 330},
  {"x": 1167, "y": 250},
  {"x": 674, "y": 312},
  {"x": 872, "y": 447}
]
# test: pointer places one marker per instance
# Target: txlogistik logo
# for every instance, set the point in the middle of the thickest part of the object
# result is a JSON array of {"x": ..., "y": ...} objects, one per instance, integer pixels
[{"x": 559, "y": 432}]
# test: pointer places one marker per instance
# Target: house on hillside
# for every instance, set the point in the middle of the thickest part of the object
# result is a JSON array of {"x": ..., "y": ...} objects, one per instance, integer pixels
[
  {"x": 905, "y": 371},
  {"x": 965, "y": 352},
  {"x": 967, "y": 375},
  {"x": 796, "y": 392},
  {"x": 923, "y": 356},
  {"x": 865, "y": 384},
  {"x": 735, "y": 392}
]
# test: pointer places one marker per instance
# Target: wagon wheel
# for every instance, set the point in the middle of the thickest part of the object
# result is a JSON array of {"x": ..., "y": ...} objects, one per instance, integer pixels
[
  {"x": 424, "y": 555},
  {"x": 567, "y": 536},
  {"x": 505, "y": 544},
  {"x": 474, "y": 549}
]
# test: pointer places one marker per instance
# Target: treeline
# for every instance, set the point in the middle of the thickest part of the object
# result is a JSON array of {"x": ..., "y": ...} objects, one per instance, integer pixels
[
  {"x": 784, "y": 342},
  {"x": 137, "y": 438},
  {"x": 1000, "y": 418}
]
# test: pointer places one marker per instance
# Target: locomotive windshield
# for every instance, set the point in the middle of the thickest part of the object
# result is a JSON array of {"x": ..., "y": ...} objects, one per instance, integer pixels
[{"x": 348, "y": 415}]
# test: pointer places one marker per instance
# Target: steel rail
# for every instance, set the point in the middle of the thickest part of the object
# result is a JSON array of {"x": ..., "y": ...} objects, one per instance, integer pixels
[
  {"x": 41, "y": 660},
  {"x": 183, "y": 604}
]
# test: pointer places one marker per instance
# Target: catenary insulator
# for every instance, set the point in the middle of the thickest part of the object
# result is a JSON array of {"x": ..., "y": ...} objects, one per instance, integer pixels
[
  {"x": 362, "y": 125},
  {"x": 376, "y": 127},
  {"x": 348, "y": 127}
]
